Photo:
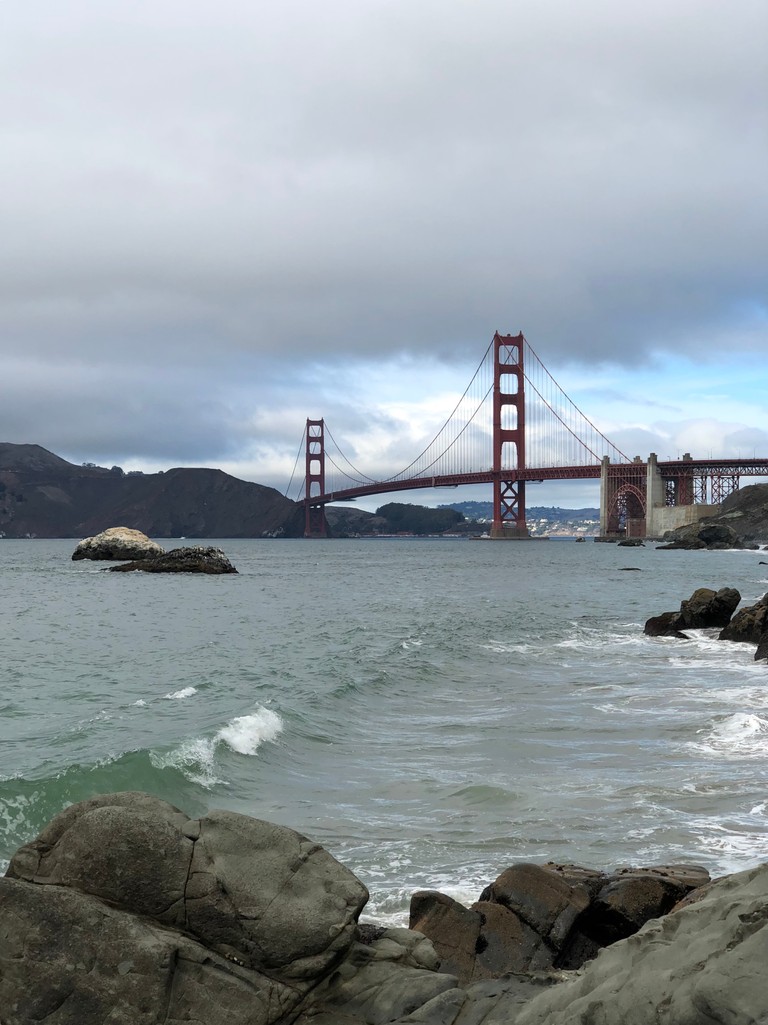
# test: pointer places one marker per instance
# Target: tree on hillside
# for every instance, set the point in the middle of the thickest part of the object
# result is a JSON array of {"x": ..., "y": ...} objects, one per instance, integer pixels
[{"x": 417, "y": 519}]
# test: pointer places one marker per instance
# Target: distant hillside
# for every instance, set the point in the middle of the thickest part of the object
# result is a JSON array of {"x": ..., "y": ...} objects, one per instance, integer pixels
[
  {"x": 42, "y": 495},
  {"x": 484, "y": 511}
]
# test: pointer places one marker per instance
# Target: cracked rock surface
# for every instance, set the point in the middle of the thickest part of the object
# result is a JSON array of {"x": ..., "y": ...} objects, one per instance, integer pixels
[{"x": 259, "y": 902}]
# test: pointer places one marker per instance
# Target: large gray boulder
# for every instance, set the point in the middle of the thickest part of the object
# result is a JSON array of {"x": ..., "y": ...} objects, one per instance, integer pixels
[
  {"x": 234, "y": 889},
  {"x": 67, "y": 959},
  {"x": 117, "y": 543}
]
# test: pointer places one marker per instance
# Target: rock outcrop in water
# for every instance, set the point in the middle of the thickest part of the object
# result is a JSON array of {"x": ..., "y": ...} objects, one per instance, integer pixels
[
  {"x": 705, "y": 608},
  {"x": 117, "y": 543},
  {"x": 702, "y": 535},
  {"x": 749, "y": 624},
  {"x": 125, "y": 910},
  {"x": 191, "y": 559},
  {"x": 708, "y": 608}
]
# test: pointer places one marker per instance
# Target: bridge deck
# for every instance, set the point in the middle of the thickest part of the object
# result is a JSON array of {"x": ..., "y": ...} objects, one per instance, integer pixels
[
  {"x": 456, "y": 479},
  {"x": 670, "y": 468}
]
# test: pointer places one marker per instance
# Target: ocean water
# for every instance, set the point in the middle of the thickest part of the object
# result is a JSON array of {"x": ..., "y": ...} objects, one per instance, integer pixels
[{"x": 429, "y": 710}]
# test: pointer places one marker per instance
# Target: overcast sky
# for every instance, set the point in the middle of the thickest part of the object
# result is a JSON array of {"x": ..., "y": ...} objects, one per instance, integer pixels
[{"x": 222, "y": 218}]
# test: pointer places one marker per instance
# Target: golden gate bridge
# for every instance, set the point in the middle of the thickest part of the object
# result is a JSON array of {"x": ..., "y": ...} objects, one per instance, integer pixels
[{"x": 513, "y": 425}]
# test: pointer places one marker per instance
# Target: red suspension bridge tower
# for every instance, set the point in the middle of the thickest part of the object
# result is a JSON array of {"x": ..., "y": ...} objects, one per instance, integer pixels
[
  {"x": 314, "y": 522},
  {"x": 508, "y": 437}
]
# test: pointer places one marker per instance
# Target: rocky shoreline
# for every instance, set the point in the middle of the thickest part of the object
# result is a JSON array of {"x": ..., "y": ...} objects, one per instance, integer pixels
[{"x": 125, "y": 910}]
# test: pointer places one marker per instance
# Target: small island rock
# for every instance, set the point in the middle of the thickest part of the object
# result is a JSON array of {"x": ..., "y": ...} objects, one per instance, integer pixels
[
  {"x": 117, "y": 543},
  {"x": 194, "y": 559}
]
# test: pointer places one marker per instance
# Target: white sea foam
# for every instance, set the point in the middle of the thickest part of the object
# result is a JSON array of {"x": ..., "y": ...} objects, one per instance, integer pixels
[
  {"x": 141, "y": 703},
  {"x": 595, "y": 640},
  {"x": 611, "y": 709},
  {"x": 500, "y": 648},
  {"x": 177, "y": 695},
  {"x": 736, "y": 849},
  {"x": 247, "y": 733},
  {"x": 742, "y": 735},
  {"x": 731, "y": 697},
  {"x": 196, "y": 757}
]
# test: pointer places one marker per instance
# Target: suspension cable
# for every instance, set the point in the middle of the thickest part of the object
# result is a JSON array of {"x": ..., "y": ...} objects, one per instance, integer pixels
[
  {"x": 357, "y": 480},
  {"x": 455, "y": 440},
  {"x": 448, "y": 420},
  {"x": 572, "y": 403},
  {"x": 346, "y": 460},
  {"x": 298, "y": 456}
]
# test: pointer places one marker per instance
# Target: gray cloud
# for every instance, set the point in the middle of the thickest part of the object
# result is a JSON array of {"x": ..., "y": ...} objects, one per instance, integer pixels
[{"x": 204, "y": 205}]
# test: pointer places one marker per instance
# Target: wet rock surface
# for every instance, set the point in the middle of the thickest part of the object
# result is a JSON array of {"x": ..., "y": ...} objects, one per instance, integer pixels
[
  {"x": 708, "y": 608},
  {"x": 749, "y": 624},
  {"x": 705, "y": 608},
  {"x": 225, "y": 893}
]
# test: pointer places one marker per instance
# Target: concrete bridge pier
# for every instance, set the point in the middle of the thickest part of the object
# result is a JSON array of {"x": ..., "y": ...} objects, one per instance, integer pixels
[{"x": 645, "y": 500}]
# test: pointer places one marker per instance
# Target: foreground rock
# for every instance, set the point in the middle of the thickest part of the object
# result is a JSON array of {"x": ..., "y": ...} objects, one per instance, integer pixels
[
  {"x": 118, "y": 543},
  {"x": 126, "y": 911},
  {"x": 193, "y": 559},
  {"x": 534, "y": 918},
  {"x": 695, "y": 966},
  {"x": 702, "y": 963},
  {"x": 705, "y": 608}
]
